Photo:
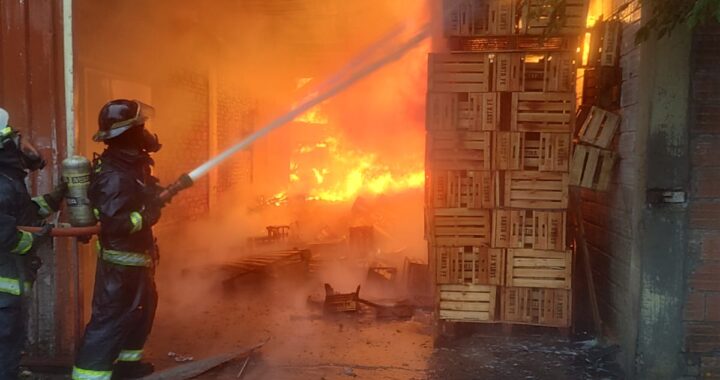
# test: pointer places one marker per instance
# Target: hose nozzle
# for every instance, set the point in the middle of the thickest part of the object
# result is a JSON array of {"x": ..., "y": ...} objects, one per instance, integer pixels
[{"x": 182, "y": 183}]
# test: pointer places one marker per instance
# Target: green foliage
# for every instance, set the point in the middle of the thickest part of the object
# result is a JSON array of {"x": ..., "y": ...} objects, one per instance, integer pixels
[{"x": 669, "y": 14}]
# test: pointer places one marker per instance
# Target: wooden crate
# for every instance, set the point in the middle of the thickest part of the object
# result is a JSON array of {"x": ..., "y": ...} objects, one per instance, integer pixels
[
  {"x": 591, "y": 167},
  {"x": 467, "y": 303},
  {"x": 531, "y": 190},
  {"x": 462, "y": 111},
  {"x": 544, "y": 307},
  {"x": 460, "y": 189},
  {"x": 512, "y": 43},
  {"x": 610, "y": 53},
  {"x": 459, "y": 227},
  {"x": 599, "y": 128},
  {"x": 469, "y": 265},
  {"x": 459, "y": 151},
  {"x": 549, "y": 72},
  {"x": 535, "y": 268},
  {"x": 529, "y": 229},
  {"x": 531, "y": 151},
  {"x": 508, "y": 72},
  {"x": 542, "y": 112},
  {"x": 459, "y": 72},
  {"x": 536, "y": 16},
  {"x": 481, "y": 17}
]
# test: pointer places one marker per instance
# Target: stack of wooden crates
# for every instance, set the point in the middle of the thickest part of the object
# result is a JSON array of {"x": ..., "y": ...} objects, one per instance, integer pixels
[{"x": 500, "y": 115}]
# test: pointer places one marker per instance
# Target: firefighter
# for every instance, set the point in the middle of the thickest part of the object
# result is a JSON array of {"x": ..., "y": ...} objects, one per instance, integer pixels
[
  {"x": 18, "y": 249},
  {"x": 124, "y": 197}
]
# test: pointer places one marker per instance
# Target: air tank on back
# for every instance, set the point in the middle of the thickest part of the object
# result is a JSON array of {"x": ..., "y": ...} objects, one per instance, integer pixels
[{"x": 76, "y": 173}]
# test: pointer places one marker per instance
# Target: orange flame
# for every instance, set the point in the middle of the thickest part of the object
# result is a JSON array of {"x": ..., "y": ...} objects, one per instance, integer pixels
[{"x": 328, "y": 171}]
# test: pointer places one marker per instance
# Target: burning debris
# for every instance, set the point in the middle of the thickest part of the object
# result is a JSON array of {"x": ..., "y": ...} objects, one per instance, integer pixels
[{"x": 340, "y": 302}]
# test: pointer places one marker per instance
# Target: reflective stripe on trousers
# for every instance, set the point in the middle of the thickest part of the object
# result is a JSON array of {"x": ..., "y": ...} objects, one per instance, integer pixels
[
  {"x": 88, "y": 374},
  {"x": 130, "y": 355},
  {"x": 131, "y": 259},
  {"x": 12, "y": 286},
  {"x": 24, "y": 244}
]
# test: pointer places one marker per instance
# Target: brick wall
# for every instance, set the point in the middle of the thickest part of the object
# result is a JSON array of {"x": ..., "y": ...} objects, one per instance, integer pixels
[
  {"x": 182, "y": 120},
  {"x": 237, "y": 114},
  {"x": 702, "y": 306},
  {"x": 609, "y": 216}
]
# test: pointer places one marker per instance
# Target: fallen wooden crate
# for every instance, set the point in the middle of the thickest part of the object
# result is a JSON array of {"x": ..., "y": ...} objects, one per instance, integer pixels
[
  {"x": 459, "y": 227},
  {"x": 534, "y": 306},
  {"x": 459, "y": 72},
  {"x": 469, "y": 265},
  {"x": 531, "y": 190},
  {"x": 542, "y": 112},
  {"x": 481, "y": 17},
  {"x": 462, "y": 111},
  {"x": 529, "y": 229},
  {"x": 531, "y": 151},
  {"x": 535, "y": 268},
  {"x": 467, "y": 303},
  {"x": 460, "y": 189},
  {"x": 537, "y": 17},
  {"x": 459, "y": 150},
  {"x": 340, "y": 302},
  {"x": 591, "y": 167},
  {"x": 599, "y": 128}
]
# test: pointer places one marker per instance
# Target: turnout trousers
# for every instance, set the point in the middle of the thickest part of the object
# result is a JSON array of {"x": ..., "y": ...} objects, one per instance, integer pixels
[
  {"x": 123, "y": 310},
  {"x": 12, "y": 334}
]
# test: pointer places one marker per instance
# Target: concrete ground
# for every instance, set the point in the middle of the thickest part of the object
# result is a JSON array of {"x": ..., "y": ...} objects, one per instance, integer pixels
[{"x": 200, "y": 321}]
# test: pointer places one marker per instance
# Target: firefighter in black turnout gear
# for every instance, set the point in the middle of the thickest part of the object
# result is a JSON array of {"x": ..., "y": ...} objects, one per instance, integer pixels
[
  {"x": 124, "y": 197},
  {"x": 18, "y": 249}
]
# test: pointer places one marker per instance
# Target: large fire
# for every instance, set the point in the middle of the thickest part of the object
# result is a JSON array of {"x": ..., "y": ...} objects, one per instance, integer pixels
[{"x": 329, "y": 170}]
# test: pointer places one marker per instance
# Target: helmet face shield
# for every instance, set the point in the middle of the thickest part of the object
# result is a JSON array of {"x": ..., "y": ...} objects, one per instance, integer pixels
[{"x": 118, "y": 116}]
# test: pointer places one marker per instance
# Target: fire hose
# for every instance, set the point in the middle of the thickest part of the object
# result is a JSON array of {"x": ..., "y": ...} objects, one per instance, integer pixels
[{"x": 65, "y": 231}]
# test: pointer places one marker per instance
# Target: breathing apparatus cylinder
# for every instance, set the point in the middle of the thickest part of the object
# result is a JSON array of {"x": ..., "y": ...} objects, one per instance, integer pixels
[{"x": 76, "y": 173}]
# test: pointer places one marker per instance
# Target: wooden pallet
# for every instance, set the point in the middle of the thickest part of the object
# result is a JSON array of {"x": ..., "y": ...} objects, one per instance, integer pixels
[
  {"x": 591, "y": 167},
  {"x": 460, "y": 227},
  {"x": 467, "y": 303},
  {"x": 533, "y": 306},
  {"x": 462, "y": 111},
  {"x": 531, "y": 151},
  {"x": 529, "y": 229},
  {"x": 469, "y": 265},
  {"x": 542, "y": 112},
  {"x": 481, "y": 17},
  {"x": 513, "y": 43},
  {"x": 531, "y": 190},
  {"x": 535, "y": 268},
  {"x": 459, "y": 72},
  {"x": 599, "y": 128},
  {"x": 460, "y": 189},
  {"x": 537, "y": 14},
  {"x": 459, "y": 151}
]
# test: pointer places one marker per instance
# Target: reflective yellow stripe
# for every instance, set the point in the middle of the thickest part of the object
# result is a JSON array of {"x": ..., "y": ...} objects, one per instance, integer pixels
[
  {"x": 131, "y": 259},
  {"x": 137, "y": 221},
  {"x": 45, "y": 209},
  {"x": 96, "y": 212},
  {"x": 130, "y": 355},
  {"x": 12, "y": 286},
  {"x": 25, "y": 243},
  {"x": 5, "y": 131},
  {"x": 88, "y": 374}
]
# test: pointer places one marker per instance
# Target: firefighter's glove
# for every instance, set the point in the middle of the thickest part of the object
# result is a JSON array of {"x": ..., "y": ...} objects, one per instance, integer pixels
[
  {"x": 44, "y": 236},
  {"x": 54, "y": 198},
  {"x": 151, "y": 214}
]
